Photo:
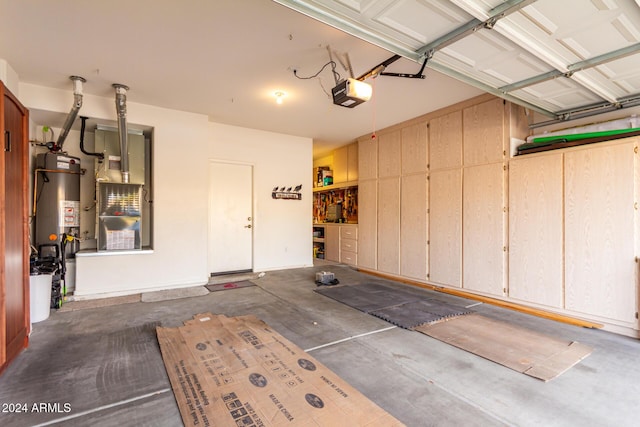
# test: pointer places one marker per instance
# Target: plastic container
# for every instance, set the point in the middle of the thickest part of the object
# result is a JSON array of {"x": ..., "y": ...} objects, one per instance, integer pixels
[{"x": 40, "y": 286}]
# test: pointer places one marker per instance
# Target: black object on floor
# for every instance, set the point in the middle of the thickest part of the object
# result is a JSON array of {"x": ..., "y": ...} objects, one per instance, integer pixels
[
  {"x": 396, "y": 306},
  {"x": 367, "y": 297},
  {"x": 416, "y": 313}
]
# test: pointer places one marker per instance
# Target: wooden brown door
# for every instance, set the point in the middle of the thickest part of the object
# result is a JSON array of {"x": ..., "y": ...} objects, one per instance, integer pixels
[{"x": 14, "y": 313}]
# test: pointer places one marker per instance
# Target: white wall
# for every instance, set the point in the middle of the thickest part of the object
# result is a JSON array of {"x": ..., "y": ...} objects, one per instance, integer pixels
[
  {"x": 9, "y": 77},
  {"x": 183, "y": 144},
  {"x": 282, "y": 228}
]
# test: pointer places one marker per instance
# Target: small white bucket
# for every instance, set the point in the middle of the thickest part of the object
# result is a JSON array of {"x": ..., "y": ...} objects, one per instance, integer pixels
[{"x": 40, "y": 296}]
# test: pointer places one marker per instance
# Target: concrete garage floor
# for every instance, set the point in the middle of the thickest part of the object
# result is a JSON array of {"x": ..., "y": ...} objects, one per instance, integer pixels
[{"x": 102, "y": 366}]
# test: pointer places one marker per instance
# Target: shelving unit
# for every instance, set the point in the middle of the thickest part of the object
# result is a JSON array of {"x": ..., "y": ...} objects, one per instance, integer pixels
[{"x": 318, "y": 241}]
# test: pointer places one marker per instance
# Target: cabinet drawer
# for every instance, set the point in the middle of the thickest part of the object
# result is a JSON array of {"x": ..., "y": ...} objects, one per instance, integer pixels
[
  {"x": 350, "y": 258},
  {"x": 349, "y": 245},
  {"x": 349, "y": 232}
]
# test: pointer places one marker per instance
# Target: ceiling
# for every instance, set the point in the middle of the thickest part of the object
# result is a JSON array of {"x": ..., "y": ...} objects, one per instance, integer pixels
[
  {"x": 226, "y": 58},
  {"x": 562, "y": 59}
]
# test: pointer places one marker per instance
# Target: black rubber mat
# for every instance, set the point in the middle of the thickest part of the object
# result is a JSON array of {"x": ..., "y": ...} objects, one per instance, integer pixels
[
  {"x": 416, "y": 313},
  {"x": 396, "y": 306},
  {"x": 367, "y": 297}
]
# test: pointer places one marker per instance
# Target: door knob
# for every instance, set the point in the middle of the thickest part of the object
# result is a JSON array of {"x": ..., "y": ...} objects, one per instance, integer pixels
[{"x": 247, "y": 226}]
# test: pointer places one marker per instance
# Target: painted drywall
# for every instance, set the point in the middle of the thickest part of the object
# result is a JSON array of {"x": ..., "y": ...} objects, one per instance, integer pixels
[
  {"x": 183, "y": 144},
  {"x": 282, "y": 228},
  {"x": 9, "y": 77}
]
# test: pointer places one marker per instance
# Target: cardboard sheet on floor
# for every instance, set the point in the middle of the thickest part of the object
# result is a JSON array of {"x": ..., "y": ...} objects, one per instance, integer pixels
[
  {"x": 239, "y": 372},
  {"x": 523, "y": 350}
]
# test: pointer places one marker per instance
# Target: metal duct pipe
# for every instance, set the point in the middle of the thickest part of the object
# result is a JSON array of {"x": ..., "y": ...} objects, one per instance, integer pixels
[
  {"x": 77, "y": 103},
  {"x": 121, "y": 109}
]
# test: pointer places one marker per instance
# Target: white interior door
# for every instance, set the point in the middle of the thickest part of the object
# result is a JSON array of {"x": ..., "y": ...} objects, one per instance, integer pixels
[{"x": 230, "y": 217}]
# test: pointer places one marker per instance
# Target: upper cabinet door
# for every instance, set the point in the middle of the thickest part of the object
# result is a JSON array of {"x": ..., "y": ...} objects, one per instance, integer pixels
[
  {"x": 340, "y": 164},
  {"x": 445, "y": 141},
  {"x": 389, "y": 149},
  {"x": 415, "y": 149},
  {"x": 368, "y": 158},
  {"x": 352, "y": 162},
  {"x": 484, "y": 133}
]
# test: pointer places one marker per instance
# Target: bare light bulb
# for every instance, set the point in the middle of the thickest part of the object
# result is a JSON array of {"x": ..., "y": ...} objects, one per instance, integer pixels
[{"x": 279, "y": 96}]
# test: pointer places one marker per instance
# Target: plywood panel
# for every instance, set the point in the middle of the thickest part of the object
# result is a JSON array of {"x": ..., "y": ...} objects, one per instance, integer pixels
[
  {"x": 483, "y": 133},
  {"x": 415, "y": 148},
  {"x": 389, "y": 225},
  {"x": 367, "y": 224},
  {"x": 332, "y": 242},
  {"x": 352, "y": 162},
  {"x": 389, "y": 154},
  {"x": 340, "y": 164},
  {"x": 368, "y": 158},
  {"x": 445, "y": 227},
  {"x": 414, "y": 226},
  {"x": 535, "y": 229},
  {"x": 445, "y": 141},
  {"x": 483, "y": 230},
  {"x": 599, "y": 239}
]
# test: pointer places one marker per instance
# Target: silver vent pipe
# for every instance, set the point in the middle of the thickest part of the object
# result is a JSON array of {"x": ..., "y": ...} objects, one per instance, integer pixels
[
  {"x": 121, "y": 109},
  {"x": 77, "y": 103}
]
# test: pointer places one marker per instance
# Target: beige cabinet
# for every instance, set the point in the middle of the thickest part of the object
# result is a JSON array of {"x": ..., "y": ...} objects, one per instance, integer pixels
[
  {"x": 352, "y": 162},
  {"x": 349, "y": 244},
  {"x": 340, "y": 164},
  {"x": 445, "y": 141},
  {"x": 484, "y": 133},
  {"x": 414, "y": 226},
  {"x": 367, "y": 158},
  {"x": 445, "y": 227},
  {"x": 535, "y": 229},
  {"x": 484, "y": 229},
  {"x": 368, "y": 224},
  {"x": 389, "y": 225},
  {"x": 345, "y": 164},
  {"x": 600, "y": 215},
  {"x": 332, "y": 243},
  {"x": 415, "y": 148},
  {"x": 389, "y": 153}
]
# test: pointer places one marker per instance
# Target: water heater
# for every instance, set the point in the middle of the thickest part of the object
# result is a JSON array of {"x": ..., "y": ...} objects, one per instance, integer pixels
[{"x": 57, "y": 202}]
